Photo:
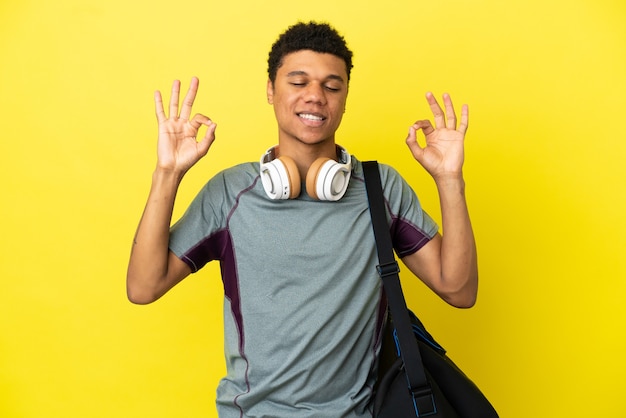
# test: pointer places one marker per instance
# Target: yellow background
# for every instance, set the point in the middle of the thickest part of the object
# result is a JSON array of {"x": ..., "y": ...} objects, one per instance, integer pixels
[{"x": 545, "y": 170}]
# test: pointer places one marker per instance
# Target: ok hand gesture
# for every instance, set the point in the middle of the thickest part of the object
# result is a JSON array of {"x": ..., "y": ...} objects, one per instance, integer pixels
[
  {"x": 178, "y": 148},
  {"x": 443, "y": 154}
]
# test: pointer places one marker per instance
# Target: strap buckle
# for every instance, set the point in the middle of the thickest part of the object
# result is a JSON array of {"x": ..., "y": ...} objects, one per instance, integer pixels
[
  {"x": 388, "y": 269},
  {"x": 424, "y": 401}
]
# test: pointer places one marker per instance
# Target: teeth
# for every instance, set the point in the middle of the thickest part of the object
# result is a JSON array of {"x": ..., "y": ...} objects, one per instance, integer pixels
[{"x": 310, "y": 117}]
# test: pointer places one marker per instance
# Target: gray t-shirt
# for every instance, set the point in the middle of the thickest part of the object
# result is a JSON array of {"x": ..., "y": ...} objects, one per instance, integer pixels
[{"x": 302, "y": 307}]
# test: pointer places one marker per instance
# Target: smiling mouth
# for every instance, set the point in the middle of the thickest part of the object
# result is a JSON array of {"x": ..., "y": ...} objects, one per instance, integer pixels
[{"x": 311, "y": 117}]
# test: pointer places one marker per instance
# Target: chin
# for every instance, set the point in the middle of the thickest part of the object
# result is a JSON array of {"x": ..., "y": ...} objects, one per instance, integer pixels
[{"x": 315, "y": 140}]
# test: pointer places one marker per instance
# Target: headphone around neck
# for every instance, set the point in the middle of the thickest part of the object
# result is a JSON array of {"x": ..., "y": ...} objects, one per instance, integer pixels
[{"x": 326, "y": 179}]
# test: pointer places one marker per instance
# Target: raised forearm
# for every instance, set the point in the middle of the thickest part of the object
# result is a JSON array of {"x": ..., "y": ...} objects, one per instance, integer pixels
[
  {"x": 459, "y": 270},
  {"x": 148, "y": 265}
]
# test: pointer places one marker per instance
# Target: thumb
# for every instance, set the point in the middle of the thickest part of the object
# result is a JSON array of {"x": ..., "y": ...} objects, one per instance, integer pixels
[
  {"x": 206, "y": 142},
  {"x": 411, "y": 142}
]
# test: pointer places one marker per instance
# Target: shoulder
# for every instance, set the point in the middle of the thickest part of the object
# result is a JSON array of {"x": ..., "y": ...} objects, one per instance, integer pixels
[
  {"x": 389, "y": 176},
  {"x": 234, "y": 179},
  {"x": 242, "y": 171}
]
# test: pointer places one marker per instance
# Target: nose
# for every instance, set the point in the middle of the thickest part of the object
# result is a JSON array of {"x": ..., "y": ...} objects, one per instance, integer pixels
[{"x": 315, "y": 94}]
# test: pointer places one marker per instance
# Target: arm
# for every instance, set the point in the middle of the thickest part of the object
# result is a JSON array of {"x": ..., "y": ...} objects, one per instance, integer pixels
[
  {"x": 448, "y": 263},
  {"x": 153, "y": 269}
]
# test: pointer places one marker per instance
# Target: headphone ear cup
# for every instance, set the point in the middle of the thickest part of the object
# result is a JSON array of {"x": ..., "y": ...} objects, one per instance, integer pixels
[
  {"x": 327, "y": 179},
  {"x": 280, "y": 178},
  {"x": 312, "y": 176},
  {"x": 292, "y": 174}
]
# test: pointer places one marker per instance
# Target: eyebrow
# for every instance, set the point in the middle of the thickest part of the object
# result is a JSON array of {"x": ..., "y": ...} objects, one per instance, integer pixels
[{"x": 300, "y": 72}]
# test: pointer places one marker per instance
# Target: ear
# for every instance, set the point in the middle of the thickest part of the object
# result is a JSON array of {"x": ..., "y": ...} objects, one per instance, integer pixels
[{"x": 270, "y": 92}]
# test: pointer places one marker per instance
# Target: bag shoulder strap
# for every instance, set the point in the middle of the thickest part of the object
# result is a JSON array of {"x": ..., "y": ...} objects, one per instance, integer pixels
[{"x": 388, "y": 270}]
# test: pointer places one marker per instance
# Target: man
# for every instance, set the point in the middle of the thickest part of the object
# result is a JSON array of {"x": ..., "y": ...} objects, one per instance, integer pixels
[{"x": 302, "y": 309}]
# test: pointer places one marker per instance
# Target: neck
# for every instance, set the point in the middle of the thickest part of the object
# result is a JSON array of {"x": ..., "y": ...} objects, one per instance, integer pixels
[{"x": 305, "y": 154}]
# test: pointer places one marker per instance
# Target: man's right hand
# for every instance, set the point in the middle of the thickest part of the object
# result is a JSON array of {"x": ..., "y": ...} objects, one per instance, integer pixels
[
  {"x": 153, "y": 269},
  {"x": 178, "y": 148}
]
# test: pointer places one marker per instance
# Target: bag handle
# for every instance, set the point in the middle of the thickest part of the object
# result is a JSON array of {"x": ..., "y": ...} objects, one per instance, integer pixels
[{"x": 388, "y": 270}]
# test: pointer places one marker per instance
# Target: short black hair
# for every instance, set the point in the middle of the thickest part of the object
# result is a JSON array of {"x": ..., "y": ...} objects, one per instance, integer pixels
[{"x": 318, "y": 37}]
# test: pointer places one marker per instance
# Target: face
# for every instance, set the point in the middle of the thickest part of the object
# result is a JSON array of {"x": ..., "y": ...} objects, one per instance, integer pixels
[{"x": 309, "y": 96}]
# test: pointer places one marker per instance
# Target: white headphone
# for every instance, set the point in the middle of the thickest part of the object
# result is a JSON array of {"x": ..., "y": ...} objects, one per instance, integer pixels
[{"x": 326, "y": 179}]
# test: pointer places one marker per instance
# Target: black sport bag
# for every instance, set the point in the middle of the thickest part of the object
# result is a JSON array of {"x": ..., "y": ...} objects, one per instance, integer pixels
[
  {"x": 416, "y": 378},
  {"x": 453, "y": 393}
]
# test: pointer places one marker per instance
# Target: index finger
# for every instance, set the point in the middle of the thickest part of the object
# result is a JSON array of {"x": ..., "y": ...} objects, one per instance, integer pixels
[{"x": 190, "y": 97}]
